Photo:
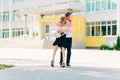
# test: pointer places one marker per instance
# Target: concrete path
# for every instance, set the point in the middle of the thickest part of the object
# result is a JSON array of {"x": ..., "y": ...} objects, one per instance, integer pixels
[
  {"x": 57, "y": 73},
  {"x": 34, "y": 64}
]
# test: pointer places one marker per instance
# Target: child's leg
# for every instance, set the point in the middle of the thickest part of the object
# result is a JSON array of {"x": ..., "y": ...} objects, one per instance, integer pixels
[{"x": 54, "y": 52}]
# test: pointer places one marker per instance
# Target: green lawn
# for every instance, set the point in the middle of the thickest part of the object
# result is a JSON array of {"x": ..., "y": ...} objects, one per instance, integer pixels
[{"x": 3, "y": 66}]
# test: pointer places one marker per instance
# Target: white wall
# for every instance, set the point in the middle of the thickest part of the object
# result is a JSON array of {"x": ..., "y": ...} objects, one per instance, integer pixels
[{"x": 101, "y": 16}]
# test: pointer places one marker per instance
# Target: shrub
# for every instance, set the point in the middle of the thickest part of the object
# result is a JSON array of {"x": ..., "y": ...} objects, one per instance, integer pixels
[
  {"x": 118, "y": 43},
  {"x": 3, "y": 66},
  {"x": 105, "y": 47}
]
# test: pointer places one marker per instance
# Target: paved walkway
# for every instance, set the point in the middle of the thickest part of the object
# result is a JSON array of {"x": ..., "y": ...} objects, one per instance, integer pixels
[{"x": 34, "y": 64}]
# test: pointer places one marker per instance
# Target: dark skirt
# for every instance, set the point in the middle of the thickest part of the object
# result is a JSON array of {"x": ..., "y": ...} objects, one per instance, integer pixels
[{"x": 61, "y": 41}]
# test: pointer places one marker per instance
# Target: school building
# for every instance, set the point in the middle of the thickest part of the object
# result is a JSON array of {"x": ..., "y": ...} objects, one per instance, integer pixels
[{"x": 95, "y": 22}]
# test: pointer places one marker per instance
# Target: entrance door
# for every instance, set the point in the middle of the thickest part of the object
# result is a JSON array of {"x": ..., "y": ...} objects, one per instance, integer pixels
[{"x": 48, "y": 30}]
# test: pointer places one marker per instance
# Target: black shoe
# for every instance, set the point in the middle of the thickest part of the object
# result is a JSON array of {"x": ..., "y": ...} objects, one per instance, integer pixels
[
  {"x": 68, "y": 65},
  {"x": 52, "y": 63},
  {"x": 63, "y": 65}
]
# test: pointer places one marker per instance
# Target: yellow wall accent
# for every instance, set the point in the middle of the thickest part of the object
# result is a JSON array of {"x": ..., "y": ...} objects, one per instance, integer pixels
[
  {"x": 49, "y": 19},
  {"x": 82, "y": 29},
  {"x": 78, "y": 25},
  {"x": 95, "y": 41},
  {"x": 75, "y": 27},
  {"x": 55, "y": 19}
]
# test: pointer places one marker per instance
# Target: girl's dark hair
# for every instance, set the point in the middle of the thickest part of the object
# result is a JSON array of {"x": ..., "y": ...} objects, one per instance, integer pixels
[{"x": 68, "y": 14}]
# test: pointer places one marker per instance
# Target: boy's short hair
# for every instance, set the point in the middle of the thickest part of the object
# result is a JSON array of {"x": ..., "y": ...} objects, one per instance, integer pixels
[{"x": 68, "y": 14}]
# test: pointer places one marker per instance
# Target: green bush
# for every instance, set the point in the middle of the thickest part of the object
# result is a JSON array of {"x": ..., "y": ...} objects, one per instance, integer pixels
[
  {"x": 116, "y": 46},
  {"x": 118, "y": 43},
  {"x": 3, "y": 66},
  {"x": 105, "y": 47}
]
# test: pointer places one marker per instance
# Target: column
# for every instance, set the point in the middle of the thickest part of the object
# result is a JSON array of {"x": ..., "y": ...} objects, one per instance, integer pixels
[
  {"x": 25, "y": 30},
  {"x": 1, "y": 18},
  {"x": 118, "y": 17},
  {"x": 10, "y": 19}
]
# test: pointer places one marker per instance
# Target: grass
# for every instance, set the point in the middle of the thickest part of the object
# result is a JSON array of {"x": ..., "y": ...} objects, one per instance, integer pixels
[{"x": 3, "y": 66}]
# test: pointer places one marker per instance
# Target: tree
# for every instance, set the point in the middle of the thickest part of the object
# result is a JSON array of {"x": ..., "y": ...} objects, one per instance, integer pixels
[{"x": 118, "y": 43}]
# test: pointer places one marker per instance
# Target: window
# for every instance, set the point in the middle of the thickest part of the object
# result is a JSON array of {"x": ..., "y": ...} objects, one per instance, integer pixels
[
  {"x": 93, "y": 30},
  {"x": 97, "y": 5},
  {"x": 5, "y": 33},
  {"x": 5, "y": 16},
  {"x": 100, "y": 5},
  {"x": 88, "y": 29},
  {"x": 103, "y": 28},
  {"x": 88, "y": 7},
  {"x": 114, "y": 27},
  {"x": 16, "y": 1},
  {"x": 47, "y": 28},
  {"x": 109, "y": 4},
  {"x": 109, "y": 27},
  {"x": 114, "y": 4},
  {"x": 16, "y": 15},
  {"x": 6, "y": 2},
  {"x": 109, "y": 30},
  {"x": 103, "y": 5},
  {"x": 22, "y": 32},
  {"x": 93, "y": 6},
  {"x": 18, "y": 32},
  {"x": 97, "y": 28}
]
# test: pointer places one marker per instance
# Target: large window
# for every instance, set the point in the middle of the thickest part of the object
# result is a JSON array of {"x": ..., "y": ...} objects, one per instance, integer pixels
[
  {"x": 5, "y": 16},
  {"x": 19, "y": 32},
  {"x": 93, "y": 6},
  {"x": 114, "y": 4},
  {"x": 16, "y": 32},
  {"x": 109, "y": 4},
  {"x": 15, "y": 1},
  {"x": 102, "y": 28},
  {"x": 100, "y": 5},
  {"x": 6, "y": 2},
  {"x": 5, "y": 33},
  {"x": 88, "y": 7},
  {"x": 103, "y": 5}
]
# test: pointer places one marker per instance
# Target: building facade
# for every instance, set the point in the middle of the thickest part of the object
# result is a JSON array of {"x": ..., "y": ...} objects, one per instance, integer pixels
[
  {"x": 95, "y": 22},
  {"x": 102, "y": 22}
]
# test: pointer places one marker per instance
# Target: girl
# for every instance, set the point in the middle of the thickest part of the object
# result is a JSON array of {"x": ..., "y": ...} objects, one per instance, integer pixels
[{"x": 60, "y": 41}]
